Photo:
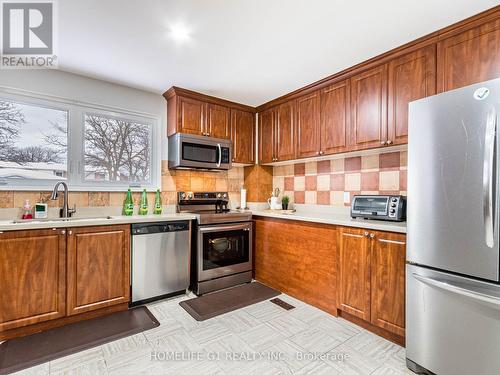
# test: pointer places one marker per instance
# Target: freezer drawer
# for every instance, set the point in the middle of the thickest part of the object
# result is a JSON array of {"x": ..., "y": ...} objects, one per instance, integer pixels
[{"x": 452, "y": 323}]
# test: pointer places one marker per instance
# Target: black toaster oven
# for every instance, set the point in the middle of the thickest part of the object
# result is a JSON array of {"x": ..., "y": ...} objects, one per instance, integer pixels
[{"x": 379, "y": 207}]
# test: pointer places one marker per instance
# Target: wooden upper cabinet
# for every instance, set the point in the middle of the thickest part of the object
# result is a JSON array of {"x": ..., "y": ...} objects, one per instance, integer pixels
[
  {"x": 191, "y": 116},
  {"x": 243, "y": 136},
  {"x": 32, "y": 277},
  {"x": 98, "y": 267},
  {"x": 411, "y": 77},
  {"x": 354, "y": 272},
  {"x": 470, "y": 57},
  {"x": 388, "y": 281},
  {"x": 266, "y": 136},
  {"x": 218, "y": 121},
  {"x": 307, "y": 127},
  {"x": 285, "y": 131},
  {"x": 369, "y": 108},
  {"x": 335, "y": 117}
]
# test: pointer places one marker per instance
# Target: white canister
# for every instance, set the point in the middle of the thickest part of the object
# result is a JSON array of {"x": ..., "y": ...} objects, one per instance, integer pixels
[{"x": 243, "y": 198}]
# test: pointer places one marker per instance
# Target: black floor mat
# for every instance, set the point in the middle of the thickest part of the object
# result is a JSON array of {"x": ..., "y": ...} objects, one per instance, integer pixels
[
  {"x": 218, "y": 303},
  {"x": 23, "y": 352}
]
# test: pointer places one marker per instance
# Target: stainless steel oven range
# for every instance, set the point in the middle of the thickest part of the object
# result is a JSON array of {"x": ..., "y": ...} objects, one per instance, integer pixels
[{"x": 221, "y": 243}]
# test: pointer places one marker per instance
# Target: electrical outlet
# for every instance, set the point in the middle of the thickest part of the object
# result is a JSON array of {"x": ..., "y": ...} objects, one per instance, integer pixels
[{"x": 347, "y": 197}]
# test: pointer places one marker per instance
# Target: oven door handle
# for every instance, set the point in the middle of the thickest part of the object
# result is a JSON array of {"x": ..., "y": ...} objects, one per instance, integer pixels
[{"x": 225, "y": 228}]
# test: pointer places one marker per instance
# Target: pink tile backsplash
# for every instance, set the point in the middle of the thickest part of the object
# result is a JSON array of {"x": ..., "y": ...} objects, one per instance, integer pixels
[{"x": 324, "y": 182}]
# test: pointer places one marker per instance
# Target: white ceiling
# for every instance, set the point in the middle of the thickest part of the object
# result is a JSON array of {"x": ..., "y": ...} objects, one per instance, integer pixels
[{"x": 249, "y": 51}]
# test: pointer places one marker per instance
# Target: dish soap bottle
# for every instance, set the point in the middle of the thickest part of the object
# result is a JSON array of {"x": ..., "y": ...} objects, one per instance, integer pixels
[
  {"x": 128, "y": 204},
  {"x": 157, "y": 210},
  {"x": 27, "y": 214},
  {"x": 143, "y": 206}
]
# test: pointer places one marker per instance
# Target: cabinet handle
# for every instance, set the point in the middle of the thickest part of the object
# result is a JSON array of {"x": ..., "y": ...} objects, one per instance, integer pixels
[
  {"x": 70, "y": 232},
  {"x": 383, "y": 143},
  {"x": 208, "y": 134},
  {"x": 372, "y": 235},
  {"x": 321, "y": 152},
  {"x": 352, "y": 235},
  {"x": 391, "y": 241},
  {"x": 63, "y": 232},
  {"x": 389, "y": 142},
  {"x": 366, "y": 234}
]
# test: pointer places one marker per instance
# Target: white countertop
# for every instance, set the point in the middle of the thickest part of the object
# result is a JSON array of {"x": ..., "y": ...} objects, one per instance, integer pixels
[
  {"x": 8, "y": 225},
  {"x": 329, "y": 215}
]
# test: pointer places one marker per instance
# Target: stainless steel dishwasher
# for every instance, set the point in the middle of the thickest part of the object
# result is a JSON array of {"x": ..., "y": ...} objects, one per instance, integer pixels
[{"x": 160, "y": 260}]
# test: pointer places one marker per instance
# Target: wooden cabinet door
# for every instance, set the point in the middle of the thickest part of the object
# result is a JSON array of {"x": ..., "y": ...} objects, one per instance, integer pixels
[
  {"x": 411, "y": 77},
  {"x": 266, "y": 136},
  {"x": 218, "y": 121},
  {"x": 243, "y": 136},
  {"x": 354, "y": 275},
  {"x": 470, "y": 57},
  {"x": 98, "y": 267},
  {"x": 388, "y": 281},
  {"x": 369, "y": 108},
  {"x": 308, "y": 117},
  {"x": 299, "y": 259},
  {"x": 285, "y": 131},
  {"x": 335, "y": 117},
  {"x": 191, "y": 116},
  {"x": 32, "y": 277}
]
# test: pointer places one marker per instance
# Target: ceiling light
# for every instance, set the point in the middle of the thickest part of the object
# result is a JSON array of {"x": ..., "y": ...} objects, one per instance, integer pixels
[{"x": 179, "y": 32}]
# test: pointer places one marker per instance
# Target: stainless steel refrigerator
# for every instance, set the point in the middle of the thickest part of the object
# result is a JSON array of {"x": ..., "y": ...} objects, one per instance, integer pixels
[{"x": 453, "y": 258}]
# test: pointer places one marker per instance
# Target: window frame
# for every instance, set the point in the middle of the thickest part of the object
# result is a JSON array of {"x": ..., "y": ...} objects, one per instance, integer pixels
[{"x": 76, "y": 144}]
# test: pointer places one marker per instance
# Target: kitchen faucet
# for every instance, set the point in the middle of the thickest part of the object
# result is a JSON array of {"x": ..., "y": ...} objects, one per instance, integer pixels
[{"x": 65, "y": 210}]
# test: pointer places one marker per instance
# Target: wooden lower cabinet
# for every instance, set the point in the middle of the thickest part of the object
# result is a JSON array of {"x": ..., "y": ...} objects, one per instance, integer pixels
[
  {"x": 52, "y": 277},
  {"x": 32, "y": 277},
  {"x": 299, "y": 259},
  {"x": 98, "y": 267},
  {"x": 388, "y": 259},
  {"x": 354, "y": 272},
  {"x": 372, "y": 277}
]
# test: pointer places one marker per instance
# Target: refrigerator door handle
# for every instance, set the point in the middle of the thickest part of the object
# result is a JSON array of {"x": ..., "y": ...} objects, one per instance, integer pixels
[
  {"x": 488, "y": 171},
  {"x": 471, "y": 294}
]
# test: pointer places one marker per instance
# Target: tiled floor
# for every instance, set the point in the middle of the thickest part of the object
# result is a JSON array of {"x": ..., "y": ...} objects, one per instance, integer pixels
[{"x": 261, "y": 339}]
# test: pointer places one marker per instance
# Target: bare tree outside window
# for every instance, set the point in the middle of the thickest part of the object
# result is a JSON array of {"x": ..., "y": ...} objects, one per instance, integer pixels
[
  {"x": 25, "y": 148},
  {"x": 117, "y": 150}
]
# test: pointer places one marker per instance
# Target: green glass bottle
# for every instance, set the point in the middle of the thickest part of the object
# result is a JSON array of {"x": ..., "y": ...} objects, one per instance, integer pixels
[
  {"x": 143, "y": 206},
  {"x": 128, "y": 204},
  {"x": 157, "y": 209}
]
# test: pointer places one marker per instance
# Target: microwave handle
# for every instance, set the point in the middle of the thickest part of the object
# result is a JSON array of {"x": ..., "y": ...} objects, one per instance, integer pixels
[{"x": 220, "y": 155}]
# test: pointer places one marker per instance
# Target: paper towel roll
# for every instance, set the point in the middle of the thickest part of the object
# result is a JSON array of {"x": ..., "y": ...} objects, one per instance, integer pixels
[{"x": 243, "y": 195}]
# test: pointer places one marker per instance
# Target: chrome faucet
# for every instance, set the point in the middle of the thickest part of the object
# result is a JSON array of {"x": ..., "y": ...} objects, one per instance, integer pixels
[{"x": 65, "y": 210}]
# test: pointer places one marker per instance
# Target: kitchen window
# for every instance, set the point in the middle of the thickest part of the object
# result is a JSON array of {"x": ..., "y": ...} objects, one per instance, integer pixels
[{"x": 91, "y": 148}]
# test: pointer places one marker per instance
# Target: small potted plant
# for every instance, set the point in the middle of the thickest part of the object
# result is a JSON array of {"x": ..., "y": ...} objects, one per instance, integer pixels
[{"x": 284, "y": 202}]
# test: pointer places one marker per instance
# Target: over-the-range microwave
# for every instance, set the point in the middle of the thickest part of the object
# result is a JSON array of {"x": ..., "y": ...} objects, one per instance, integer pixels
[{"x": 186, "y": 151}]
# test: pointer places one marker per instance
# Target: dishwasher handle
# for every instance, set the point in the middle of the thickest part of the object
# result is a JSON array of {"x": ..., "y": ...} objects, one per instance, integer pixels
[{"x": 162, "y": 227}]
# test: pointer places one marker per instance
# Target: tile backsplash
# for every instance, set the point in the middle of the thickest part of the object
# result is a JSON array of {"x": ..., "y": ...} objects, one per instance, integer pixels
[
  {"x": 171, "y": 182},
  {"x": 324, "y": 182}
]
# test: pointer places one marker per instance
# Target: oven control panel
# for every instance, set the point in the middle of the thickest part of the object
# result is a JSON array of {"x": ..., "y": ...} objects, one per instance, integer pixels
[{"x": 202, "y": 196}]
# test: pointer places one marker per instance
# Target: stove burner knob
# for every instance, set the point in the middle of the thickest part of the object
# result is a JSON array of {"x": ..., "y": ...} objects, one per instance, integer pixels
[
  {"x": 190, "y": 195},
  {"x": 219, "y": 195},
  {"x": 183, "y": 195},
  {"x": 224, "y": 195}
]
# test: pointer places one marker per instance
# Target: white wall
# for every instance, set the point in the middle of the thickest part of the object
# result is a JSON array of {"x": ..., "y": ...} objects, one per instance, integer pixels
[{"x": 77, "y": 87}]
